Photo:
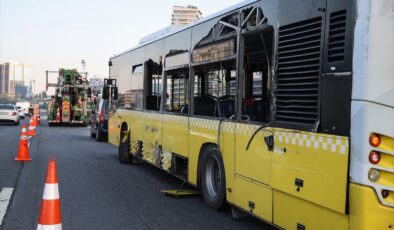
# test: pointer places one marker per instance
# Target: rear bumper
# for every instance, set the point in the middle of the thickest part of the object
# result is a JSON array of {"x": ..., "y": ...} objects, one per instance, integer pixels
[
  {"x": 366, "y": 211},
  {"x": 9, "y": 119}
]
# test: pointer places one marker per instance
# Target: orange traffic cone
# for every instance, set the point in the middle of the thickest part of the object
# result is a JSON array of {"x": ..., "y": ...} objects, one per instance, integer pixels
[
  {"x": 50, "y": 218},
  {"x": 32, "y": 131},
  {"x": 34, "y": 121},
  {"x": 23, "y": 152}
]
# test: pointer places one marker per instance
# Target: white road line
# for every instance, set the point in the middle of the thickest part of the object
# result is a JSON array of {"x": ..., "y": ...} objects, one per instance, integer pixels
[{"x": 5, "y": 196}]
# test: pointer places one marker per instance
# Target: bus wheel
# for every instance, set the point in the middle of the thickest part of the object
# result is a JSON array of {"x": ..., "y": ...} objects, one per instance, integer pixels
[
  {"x": 124, "y": 150},
  {"x": 213, "y": 182}
]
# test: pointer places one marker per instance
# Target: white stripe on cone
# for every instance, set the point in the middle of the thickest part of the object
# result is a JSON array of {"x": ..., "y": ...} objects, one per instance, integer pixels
[
  {"x": 51, "y": 192},
  {"x": 49, "y": 227}
]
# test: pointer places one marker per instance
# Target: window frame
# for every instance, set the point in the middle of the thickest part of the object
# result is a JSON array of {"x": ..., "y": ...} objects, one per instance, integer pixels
[
  {"x": 218, "y": 65},
  {"x": 187, "y": 87}
]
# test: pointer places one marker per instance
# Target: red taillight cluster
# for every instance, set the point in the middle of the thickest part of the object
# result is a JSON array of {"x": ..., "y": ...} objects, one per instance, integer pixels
[
  {"x": 13, "y": 114},
  {"x": 374, "y": 157},
  {"x": 375, "y": 140}
]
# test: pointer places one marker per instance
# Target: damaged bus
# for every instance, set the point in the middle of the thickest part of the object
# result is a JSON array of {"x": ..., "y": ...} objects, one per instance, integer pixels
[{"x": 281, "y": 108}]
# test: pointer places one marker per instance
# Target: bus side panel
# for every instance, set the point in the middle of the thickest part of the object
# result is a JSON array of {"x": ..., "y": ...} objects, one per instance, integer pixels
[
  {"x": 201, "y": 131},
  {"x": 152, "y": 137},
  {"x": 311, "y": 166},
  {"x": 113, "y": 130},
  {"x": 366, "y": 212},
  {"x": 291, "y": 212},
  {"x": 254, "y": 163},
  {"x": 253, "y": 171},
  {"x": 176, "y": 135},
  {"x": 227, "y": 148},
  {"x": 114, "y": 122},
  {"x": 135, "y": 126},
  {"x": 253, "y": 197}
]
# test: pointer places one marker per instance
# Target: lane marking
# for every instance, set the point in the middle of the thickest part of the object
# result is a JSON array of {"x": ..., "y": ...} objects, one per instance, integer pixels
[{"x": 5, "y": 196}]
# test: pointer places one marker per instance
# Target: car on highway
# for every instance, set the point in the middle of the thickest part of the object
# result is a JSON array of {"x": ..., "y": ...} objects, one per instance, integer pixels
[
  {"x": 25, "y": 105},
  {"x": 9, "y": 114},
  {"x": 98, "y": 120},
  {"x": 21, "y": 112}
]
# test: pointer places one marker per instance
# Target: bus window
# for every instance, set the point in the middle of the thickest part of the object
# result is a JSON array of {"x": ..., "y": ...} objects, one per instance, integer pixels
[
  {"x": 215, "y": 93},
  {"x": 257, "y": 61},
  {"x": 154, "y": 85},
  {"x": 177, "y": 85},
  {"x": 216, "y": 83},
  {"x": 133, "y": 98}
]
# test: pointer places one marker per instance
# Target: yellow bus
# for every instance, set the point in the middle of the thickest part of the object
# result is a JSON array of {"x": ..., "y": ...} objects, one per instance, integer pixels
[{"x": 283, "y": 109}]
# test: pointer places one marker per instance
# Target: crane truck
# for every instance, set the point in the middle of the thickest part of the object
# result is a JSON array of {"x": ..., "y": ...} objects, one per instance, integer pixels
[{"x": 68, "y": 106}]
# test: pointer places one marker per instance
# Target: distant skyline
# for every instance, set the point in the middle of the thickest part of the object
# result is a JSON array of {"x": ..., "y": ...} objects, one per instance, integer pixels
[{"x": 48, "y": 34}]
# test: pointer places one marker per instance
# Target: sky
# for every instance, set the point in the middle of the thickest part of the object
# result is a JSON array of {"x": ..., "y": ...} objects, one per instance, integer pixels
[{"x": 53, "y": 34}]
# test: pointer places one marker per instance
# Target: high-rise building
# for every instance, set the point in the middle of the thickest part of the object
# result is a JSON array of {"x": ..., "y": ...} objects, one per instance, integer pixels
[
  {"x": 183, "y": 15},
  {"x": 14, "y": 81}
]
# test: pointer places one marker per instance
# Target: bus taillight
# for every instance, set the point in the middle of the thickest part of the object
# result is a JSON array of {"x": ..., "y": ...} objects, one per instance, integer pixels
[
  {"x": 375, "y": 140},
  {"x": 374, "y": 157}
]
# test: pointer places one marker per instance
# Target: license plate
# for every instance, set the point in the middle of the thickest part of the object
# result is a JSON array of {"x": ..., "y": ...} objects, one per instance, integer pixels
[{"x": 3, "y": 113}]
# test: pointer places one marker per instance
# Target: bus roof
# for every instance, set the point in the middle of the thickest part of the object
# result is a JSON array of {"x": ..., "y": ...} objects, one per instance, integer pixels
[{"x": 173, "y": 30}]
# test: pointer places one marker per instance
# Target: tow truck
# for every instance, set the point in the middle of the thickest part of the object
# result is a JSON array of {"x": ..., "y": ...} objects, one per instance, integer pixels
[{"x": 68, "y": 106}]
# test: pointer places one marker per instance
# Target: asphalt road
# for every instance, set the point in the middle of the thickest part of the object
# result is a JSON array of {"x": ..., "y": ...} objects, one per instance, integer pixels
[{"x": 97, "y": 192}]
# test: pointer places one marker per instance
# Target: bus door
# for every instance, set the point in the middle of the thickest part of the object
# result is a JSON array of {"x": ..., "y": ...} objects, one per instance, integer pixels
[
  {"x": 253, "y": 137},
  {"x": 176, "y": 120},
  {"x": 152, "y": 125}
]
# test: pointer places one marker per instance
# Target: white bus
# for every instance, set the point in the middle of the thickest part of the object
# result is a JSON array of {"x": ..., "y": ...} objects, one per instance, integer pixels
[{"x": 283, "y": 109}]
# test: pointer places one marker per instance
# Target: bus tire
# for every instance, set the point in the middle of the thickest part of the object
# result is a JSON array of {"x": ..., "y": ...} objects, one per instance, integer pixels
[
  {"x": 124, "y": 151},
  {"x": 213, "y": 180}
]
